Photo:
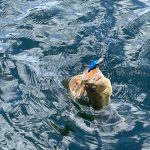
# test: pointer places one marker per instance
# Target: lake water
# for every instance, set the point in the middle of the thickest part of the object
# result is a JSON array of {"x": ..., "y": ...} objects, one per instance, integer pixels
[{"x": 43, "y": 42}]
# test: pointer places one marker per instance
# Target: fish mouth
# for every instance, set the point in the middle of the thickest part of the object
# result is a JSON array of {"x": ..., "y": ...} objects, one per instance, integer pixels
[
  {"x": 76, "y": 87},
  {"x": 80, "y": 84}
]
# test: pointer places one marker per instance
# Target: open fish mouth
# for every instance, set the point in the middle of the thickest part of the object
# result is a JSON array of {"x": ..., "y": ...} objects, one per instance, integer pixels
[
  {"x": 76, "y": 87},
  {"x": 77, "y": 84}
]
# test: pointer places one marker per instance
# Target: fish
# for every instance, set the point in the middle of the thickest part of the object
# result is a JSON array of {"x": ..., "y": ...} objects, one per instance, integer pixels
[{"x": 94, "y": 85}]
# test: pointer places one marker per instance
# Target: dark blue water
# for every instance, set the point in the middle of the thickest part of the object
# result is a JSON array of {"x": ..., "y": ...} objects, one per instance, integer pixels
[{"x": 43, "y": 42}]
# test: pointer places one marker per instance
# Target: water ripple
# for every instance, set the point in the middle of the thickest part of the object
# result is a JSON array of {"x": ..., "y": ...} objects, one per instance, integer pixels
[{"x": 43, "y": 43}]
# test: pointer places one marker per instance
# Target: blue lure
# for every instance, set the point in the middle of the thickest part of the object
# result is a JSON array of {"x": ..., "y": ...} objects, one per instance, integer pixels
[{"x": 94, "y": 64}]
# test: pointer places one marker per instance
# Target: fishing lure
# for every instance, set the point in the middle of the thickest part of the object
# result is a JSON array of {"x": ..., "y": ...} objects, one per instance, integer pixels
[{"x": 94, "y": 64}]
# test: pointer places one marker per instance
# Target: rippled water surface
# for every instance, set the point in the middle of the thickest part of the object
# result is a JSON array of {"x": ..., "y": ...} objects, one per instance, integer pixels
[{"x": 43, "y": 42}]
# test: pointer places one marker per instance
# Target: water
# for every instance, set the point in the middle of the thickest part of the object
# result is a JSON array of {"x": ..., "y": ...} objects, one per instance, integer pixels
[{"x": 44, "y": 42}]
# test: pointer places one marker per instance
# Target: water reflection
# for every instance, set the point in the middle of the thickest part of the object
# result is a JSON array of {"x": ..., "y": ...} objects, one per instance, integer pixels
[{"x": 44, "y": 42}]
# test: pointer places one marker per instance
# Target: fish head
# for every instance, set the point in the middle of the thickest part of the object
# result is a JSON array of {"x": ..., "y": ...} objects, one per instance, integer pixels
[{"x": 76, "y": 84}]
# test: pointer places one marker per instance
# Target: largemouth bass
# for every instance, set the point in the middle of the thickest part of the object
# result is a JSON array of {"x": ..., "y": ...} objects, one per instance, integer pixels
[{"x": 94, "y": 85}]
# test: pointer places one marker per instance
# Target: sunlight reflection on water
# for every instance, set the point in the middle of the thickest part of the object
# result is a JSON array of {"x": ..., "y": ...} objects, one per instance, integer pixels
[{"x": 44, "y": 42}]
